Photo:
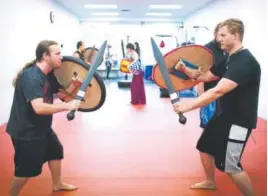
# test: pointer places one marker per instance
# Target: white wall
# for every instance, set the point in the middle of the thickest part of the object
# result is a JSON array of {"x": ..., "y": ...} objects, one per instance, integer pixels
[
  {"x": 23, "y": 24},
  {"x": 254, "y": 16},
  {"x": 96, "y": 33}
]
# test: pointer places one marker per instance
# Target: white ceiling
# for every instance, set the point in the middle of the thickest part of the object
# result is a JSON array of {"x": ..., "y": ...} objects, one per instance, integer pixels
[{"x": 137, "y": 8}]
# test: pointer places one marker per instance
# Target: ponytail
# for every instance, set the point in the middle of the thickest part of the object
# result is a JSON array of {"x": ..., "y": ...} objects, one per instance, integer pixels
[
  {"x": 42, "y": 48},
  {"x": 27, "y": 65},
  {"x": 137, "y": 48}
]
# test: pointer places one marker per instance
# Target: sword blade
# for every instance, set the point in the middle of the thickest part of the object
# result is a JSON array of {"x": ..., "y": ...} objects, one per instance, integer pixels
[{"x": 160, "y": 61}]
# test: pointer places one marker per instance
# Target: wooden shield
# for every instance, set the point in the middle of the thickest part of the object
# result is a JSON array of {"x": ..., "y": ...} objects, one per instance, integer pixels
[
  {"x": 194, "y": 54},
  {"x": 95, "y": 93},
  {"x": 90, "y": 53}
]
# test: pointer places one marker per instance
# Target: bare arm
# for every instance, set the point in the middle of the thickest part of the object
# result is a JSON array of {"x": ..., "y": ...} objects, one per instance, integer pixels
[
  {"x": 42, "y": 108},
  {"x": 200, "y": 88},
  {"x": 223, "y": 87},
  {"x": 196, "y": 74},
  {"x": 207, "y": 77}
]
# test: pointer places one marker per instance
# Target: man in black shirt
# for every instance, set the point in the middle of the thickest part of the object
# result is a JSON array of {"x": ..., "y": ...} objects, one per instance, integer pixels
[
  {"x": 29, "y": 124},
  {"x": 224, "y": 139}
]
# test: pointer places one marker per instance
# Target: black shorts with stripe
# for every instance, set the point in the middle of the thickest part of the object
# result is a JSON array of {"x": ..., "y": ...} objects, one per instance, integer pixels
[{"x": 226, "y": 142}]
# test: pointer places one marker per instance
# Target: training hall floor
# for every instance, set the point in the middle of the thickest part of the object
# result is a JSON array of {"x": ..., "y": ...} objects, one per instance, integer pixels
[{"x": 125, "y": 150}]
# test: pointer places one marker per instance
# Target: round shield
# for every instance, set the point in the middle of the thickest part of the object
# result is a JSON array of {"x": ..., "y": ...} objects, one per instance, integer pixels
[
  {"x": 95, "y": 94},
  {"x": 90, "y": 53},
  {"x": 196, "y": 55}
]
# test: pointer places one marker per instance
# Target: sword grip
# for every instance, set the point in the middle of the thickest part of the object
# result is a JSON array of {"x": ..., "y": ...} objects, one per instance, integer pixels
[
  {"x": 182, "y": 119},
  {"x": 79, "y": 96},
  {"x": 70, "y": 115},
  {"x": 175, "y": 98}
]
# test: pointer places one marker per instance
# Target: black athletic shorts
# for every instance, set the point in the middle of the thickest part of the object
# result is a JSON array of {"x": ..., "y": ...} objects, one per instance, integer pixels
[
  {"x": 30, "y": 155},
  {"x": 226, "y": 142}
]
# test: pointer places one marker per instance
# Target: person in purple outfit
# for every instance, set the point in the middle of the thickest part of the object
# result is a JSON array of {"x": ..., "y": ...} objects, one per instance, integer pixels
[{"x": 137, "y": 88}]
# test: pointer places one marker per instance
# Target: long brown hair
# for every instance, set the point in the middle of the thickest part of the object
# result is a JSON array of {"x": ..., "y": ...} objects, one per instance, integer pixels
[{"x": 42, "y": 48}]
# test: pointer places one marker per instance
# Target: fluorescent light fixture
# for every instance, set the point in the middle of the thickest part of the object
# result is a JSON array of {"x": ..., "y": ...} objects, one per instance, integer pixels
[
  {"x": 100, "y": 19},
  {"x": 105, "y": 14},
  {"x": 171, "y": 7},
  {"x": 158, "y": 14},
  {"x": 100, "y": 6}
]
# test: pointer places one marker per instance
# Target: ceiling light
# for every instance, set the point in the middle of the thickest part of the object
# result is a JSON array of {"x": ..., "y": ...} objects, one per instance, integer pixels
[
  {"x": 100, "y": 19},
  {"x": 158, "y": 14},
  {"x": 100, "y": 6},
  {"x": 105, "y": 14},
  {"x": 172, "y": 7}
]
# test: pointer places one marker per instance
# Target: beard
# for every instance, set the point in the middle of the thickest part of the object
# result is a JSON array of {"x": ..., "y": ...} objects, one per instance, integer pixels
[{"x": 55, "y": 65}]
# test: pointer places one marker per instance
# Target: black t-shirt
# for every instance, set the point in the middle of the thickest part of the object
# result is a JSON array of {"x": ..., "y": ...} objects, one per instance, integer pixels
[
  {"x": 241, "y": 104},
  {"x": 218, "y": 56},
  {"x": 23, "y": 122}
]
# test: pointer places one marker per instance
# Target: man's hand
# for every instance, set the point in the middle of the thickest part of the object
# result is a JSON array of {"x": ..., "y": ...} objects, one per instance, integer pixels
[
  {"x": 73, "y": 105},
  {"x": 183, "y": 106},
  {"x": 69, "y": 93},
  {"x": 191, "y": 73},
  {"x": 77, "y": 81},
  {"x": 180, "y": 66}
]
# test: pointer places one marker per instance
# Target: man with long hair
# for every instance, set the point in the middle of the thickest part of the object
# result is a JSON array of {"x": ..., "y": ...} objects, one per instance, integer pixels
[{"x": 30, "y": 121}]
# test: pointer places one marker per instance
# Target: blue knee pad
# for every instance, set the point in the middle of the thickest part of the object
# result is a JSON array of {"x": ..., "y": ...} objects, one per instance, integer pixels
[{"x": 207, "y": 112}]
